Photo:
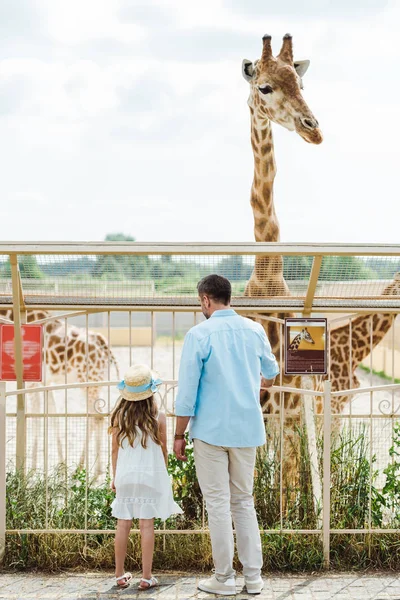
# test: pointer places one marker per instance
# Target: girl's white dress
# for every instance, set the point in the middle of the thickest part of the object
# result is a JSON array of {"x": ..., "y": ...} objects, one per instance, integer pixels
[{"x": 143, "y": 486}]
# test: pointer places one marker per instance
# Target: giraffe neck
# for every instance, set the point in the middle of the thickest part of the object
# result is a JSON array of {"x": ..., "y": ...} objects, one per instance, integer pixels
[
  {"x": 266, "y": 226},
  {"x": 363, "y": 340},
  {"x": 296, "y": 342},
  {"x": 267, "y": 277}
]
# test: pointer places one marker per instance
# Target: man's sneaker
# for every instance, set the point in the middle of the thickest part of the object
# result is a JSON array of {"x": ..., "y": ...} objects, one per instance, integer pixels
[
  {"x": 255, "y": 586},
  {"x": 213, "y": 586}
]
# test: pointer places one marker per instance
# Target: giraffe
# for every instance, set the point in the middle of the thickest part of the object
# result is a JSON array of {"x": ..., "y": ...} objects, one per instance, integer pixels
[
  {"x": 275, "y": 95},
  {"x": 362, "y": 343},
  {"x": 70, "y": 352},
  {"x": 303, "y": 335}
]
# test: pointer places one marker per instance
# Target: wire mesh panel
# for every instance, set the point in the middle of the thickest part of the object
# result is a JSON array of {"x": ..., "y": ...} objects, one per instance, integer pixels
[{"x": 161, "y": 280}]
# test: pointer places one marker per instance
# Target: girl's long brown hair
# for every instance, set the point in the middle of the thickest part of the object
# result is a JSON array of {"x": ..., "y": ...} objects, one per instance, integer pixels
[{"x": 131, "y": 417}]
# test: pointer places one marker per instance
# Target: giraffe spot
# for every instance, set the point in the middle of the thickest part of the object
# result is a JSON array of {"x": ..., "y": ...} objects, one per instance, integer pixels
[
  {"x": 272, "y": 334},
  {"x": 273, "y": 232},
  {"x": 267, "y": 188},
  {"x": 256, "y": 136},
  {"x": 261, "y": 223},
  {"x": 70, "y": 353},
  {"x": 255, "y": 202},
  {"x": 266, "y": 148}
]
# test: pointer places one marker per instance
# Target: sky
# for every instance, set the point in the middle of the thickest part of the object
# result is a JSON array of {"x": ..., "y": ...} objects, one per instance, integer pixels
[{"x": 131, "y": 116}]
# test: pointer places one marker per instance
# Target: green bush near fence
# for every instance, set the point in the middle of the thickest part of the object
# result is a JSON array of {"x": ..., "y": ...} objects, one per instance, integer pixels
[{"x": 66, "y": 502}]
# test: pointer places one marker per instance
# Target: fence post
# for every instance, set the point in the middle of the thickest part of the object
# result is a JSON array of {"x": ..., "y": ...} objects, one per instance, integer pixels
[
  {"x": 19, "y": 369},
  {"x": 326, "y": 500},
  {"x": 2, "y": 470},
  {"x": 307, "y": 383}
]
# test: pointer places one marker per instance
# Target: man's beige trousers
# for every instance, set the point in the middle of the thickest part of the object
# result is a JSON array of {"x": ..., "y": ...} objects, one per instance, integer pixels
[{"x": 226, "y": 478}]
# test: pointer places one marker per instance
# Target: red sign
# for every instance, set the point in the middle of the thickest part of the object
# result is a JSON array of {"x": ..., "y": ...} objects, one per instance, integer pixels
[{"x": 32, "y": 344}]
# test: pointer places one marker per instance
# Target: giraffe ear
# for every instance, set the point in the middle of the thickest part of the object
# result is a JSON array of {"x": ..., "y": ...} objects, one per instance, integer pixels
[
  {"x": 247, "y": 69},
  {"x": 301, "y": 67}
]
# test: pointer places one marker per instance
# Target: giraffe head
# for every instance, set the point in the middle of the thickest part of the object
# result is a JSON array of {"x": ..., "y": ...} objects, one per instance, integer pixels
[
  {"x": 275, "y": 90},
  {"x": 306, "y": 336}
]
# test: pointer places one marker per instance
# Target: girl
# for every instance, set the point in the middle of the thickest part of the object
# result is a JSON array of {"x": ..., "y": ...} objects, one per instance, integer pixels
[{"x": 139, "y": 459}]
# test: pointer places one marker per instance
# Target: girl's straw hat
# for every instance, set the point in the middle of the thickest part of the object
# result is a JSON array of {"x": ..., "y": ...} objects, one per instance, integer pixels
[{"x": 139, "y": 383}]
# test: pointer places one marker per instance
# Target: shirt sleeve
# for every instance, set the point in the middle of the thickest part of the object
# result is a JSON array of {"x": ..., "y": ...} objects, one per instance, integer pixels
[
  {"x": 190, "y": 369},
  {"x": 269, "y": 364}
]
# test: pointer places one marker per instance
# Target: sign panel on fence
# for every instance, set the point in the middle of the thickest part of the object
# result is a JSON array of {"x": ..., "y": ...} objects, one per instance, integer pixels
[
  {"x": 305, "y": 346},
  {"x": 32, "y": 344}
]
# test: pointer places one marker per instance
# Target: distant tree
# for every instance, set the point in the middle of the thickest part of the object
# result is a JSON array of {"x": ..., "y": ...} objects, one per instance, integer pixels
[
  {"x": 344, "y": 268},
  {"x": 234, "y": 268},
  {"x": 384, "y": 267},
  {"x": 108, "y": 267},
  {"x": 28, "y": 268},
  {"x": 119, "y": 267},
  {"x": 119, "y": 237},
  {"x": 297, "y": 267}
]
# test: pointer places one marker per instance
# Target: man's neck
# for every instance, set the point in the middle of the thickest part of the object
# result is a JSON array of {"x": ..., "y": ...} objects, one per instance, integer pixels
[{"x": 218, "y": 307}]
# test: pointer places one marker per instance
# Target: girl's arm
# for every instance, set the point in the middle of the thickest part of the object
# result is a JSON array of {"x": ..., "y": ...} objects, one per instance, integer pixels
[
  {"x": 162, "y": 423},
  {"x": 114, "y": 454}
]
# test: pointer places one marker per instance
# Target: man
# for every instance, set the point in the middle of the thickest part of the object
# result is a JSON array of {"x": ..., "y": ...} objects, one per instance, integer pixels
[{"x": 219, "y": 392}]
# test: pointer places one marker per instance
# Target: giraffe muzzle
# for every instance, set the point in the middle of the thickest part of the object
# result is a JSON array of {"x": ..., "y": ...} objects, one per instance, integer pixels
[{"x": 308, "y": 129}]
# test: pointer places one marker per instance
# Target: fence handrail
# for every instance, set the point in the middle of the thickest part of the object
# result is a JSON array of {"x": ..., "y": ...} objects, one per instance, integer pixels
[
  {"x": 363, "y": 390},
  {"x": 275, "y": 388},
  {"x": 68, "y": 386},
  {"x": 154, "y": 248}
]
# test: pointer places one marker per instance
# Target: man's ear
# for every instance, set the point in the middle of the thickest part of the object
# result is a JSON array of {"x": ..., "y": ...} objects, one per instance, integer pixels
[
  {"x": 247, "y": 69},
  {"x": 301, "y": 66}
]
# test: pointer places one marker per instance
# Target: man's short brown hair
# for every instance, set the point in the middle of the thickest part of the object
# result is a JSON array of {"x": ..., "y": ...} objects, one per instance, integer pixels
[{"x": 216, "y": 287}]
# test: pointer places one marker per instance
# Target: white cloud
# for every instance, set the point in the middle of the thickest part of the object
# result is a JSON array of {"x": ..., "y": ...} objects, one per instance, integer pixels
[
  {"x": 78, "y": 21},
  {"x": 130, "y": 121}
]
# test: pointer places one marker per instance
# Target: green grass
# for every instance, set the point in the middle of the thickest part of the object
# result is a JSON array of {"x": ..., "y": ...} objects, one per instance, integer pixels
[
  {"x": 352, "y": 478},
  {"x": 381, "y": 374}
]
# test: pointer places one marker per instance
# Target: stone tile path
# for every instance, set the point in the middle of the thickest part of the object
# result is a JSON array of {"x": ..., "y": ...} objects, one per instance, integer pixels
[{"x": 91, "y": 586}]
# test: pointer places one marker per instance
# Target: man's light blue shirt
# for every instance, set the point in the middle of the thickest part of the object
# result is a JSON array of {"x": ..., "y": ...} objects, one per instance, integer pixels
[{"x": 219, "y": 380}]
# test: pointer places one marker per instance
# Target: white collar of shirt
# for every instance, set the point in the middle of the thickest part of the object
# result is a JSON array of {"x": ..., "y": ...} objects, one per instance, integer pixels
[{"x": 225, "y": 312}]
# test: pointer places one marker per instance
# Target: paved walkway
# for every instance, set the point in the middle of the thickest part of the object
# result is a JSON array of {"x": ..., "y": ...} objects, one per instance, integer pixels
[{"x": 91, "y": 586}]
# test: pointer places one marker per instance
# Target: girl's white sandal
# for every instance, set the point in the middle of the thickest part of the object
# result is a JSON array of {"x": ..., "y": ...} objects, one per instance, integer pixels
[
  {"x": 153, "y": 582},
  {"x": 128, "y": 577}
]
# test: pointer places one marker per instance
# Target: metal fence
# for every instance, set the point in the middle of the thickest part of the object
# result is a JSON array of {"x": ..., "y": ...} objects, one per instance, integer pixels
[
  {"x": 64, "y": 421},
  {"x": 63, "y": 426}
]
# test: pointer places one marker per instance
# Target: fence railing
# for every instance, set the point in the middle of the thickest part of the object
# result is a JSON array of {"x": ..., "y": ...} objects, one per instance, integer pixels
[
  {"x": 330, "y": 277},
  {"x": 322, "y": 471}
]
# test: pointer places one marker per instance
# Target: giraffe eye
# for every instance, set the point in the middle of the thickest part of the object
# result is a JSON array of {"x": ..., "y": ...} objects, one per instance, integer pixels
[{"x": 265, "y": 89}]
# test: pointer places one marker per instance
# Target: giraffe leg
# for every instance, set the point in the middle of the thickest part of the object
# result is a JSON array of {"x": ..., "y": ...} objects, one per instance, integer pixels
[
  {"x": 35, "y": 409},
  {"x": 57, "y": 432},
  {"x": 94, "y": 429},
  {"x": 96, "y": 422}
]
